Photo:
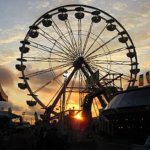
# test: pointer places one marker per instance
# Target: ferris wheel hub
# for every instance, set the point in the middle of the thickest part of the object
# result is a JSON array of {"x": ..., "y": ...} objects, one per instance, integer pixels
[{"x": 78, "y": 62}]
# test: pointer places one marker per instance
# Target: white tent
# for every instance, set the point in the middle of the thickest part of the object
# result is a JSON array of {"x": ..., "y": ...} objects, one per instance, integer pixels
[{"x": 133, "y": 98}]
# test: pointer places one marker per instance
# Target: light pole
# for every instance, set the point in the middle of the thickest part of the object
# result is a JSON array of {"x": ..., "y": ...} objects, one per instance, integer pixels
[
  {"x": 65, "y": 75},
  {"x": 64, "y": 93}
]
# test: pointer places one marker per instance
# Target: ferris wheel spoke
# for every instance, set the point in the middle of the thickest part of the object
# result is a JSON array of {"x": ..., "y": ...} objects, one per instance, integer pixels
[
  {"x": 42, "y": 87},
  {"x": 84, "y": 79},
  {"x": 108, "y": 70},
  {"x": 55, "y": 52},
  {"x": 96, "y": 67},
  {"x": 46, "y": 70},
  {"x": 47, "y": 49},
  {"x": 61, "y": 56},
  {"x": 102, "y": 75},
  {"x": 40, "y": 47},
  {"x": 80, "y": 79},
  {"x": 61, "y": 60},
  {"x": 37, "y": 59},
  {"x": 100, "y": 68},
  {"x": 79, "y": 37},
  {"x": 80, "y": 91},
  {"x": 112, "y": 62},
  {"x": 87, "y": 37},
  {"x": 44, "y": 59},
  {"x": 62, "y": 66},
  {"x": 47, "y": 83},
  {"x": 52, "y": 99},
  {"x": 86, "y": 52},
  {"x": 71, "y": 88},
  {"x": 102, "y": 45},
  {"x": 71, "y": 34},
  {"x": 62, "y": 36},
  {"x": 107, "y": 53},
  {"x": 115, "y": 75},
  {"x": 55, "y": 42}
]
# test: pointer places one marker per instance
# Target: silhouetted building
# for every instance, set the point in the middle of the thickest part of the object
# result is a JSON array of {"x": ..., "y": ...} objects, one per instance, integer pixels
[{"x": 128, "y": 114}]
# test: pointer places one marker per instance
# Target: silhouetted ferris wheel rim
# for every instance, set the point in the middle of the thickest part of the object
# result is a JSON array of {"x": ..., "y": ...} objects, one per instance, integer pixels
[{"x": 75, "y": 48}]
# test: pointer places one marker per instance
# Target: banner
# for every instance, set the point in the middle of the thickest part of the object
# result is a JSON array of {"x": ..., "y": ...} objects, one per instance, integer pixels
[
  {"x": 141, "y": 80},
  {"x": 148, "y": 77}
]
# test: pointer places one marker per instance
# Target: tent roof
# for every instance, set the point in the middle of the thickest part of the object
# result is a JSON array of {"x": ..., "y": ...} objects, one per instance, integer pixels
[
  {"x": 5, "y": 114},
  {"x": 132, "y": 98},
  {"x": 3, "y": 96}
]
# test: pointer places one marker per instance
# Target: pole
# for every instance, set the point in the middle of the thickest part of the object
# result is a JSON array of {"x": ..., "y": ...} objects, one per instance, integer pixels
[{"x": 64, "y": 100}]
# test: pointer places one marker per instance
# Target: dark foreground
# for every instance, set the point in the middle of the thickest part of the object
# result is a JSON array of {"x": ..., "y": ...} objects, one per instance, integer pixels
[{"x": 41, "y": 139}]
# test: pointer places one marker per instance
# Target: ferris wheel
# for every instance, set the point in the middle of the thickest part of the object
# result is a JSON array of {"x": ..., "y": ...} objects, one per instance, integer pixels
[{"x": 71, "y": 52}]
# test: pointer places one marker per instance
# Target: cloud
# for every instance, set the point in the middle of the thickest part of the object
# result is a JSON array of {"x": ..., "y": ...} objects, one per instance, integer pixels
[
  {"x": 8, "y": 55},
  {"x": 12, "y": 38},
  {"x": 6, "y": 105},
  {"x": 38, "y": 80},
  {"x": 7, "y": 59},
  {"x": 12, "y": 35},
  {"x": 9, "y": 43},
  {"x": 87, "y": 2},
  {"x": 119, "y": 6},
  {"x": 146, "y": 65},
  {"x": 41, "y": 4},
  {"x": 6, "y": 76}
]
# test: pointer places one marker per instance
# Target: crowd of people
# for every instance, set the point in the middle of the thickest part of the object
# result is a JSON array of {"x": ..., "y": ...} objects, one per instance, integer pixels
[{"x": 32, "y": 138}]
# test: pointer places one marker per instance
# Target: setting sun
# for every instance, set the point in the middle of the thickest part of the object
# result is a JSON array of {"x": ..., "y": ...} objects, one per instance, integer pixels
[{"x": 78, "y": 116}]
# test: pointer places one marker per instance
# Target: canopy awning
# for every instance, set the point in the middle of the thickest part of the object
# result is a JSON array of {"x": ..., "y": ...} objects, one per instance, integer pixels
[
  {"x": 5, "y": 114},
  {"x": 131, "y": 98},
  {"x": 3, "y": 96}
]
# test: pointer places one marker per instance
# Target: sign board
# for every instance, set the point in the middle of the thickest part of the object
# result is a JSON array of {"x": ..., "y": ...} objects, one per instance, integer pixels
[
  {"x": 141, "y": 80},
  {"x": 93, "y": 79},
  {"x": 148, "y": 77}
]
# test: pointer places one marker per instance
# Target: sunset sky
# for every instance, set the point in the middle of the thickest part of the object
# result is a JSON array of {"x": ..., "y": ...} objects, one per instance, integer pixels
[{"x": 17, "y": 15}]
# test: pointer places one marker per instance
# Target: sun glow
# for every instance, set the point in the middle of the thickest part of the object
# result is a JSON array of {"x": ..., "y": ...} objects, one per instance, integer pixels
[{"x": 78, "y": 116}]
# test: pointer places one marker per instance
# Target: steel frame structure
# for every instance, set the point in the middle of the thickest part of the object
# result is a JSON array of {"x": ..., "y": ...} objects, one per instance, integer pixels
[{"x": 60, "y": 40}]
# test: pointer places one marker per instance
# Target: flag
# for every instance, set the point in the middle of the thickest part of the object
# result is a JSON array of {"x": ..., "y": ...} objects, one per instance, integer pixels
[
  {"x": 141, "y": 80},
  {"x": 148, "y": 77}
]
